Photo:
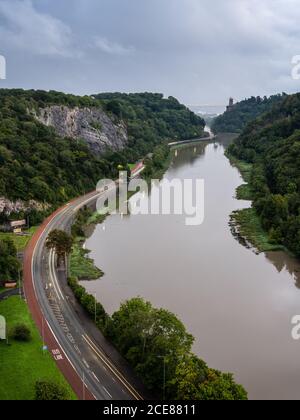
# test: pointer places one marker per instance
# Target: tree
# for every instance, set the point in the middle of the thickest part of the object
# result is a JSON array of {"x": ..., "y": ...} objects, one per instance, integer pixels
[
  {"x": 190, "y": 373},
  {"x": 61, "y": 243},
  {"x": 9, "y": 263},
  {"x": 157, "y": 345},
  {"x": 221, "y": 386},
  {"x": 196, "y": 381},
  {"x": 22, "y": 333},
  {"x": 271, "y": 144},
  {"x": 148, "y": 338},
  {"x": 50, "y": 391}
]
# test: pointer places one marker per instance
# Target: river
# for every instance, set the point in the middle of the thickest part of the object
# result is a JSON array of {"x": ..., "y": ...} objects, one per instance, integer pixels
[{"x": 237, "y": 304}]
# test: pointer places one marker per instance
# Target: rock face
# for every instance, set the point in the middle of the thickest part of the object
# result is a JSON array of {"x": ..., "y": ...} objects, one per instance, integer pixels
[
  {"x": 9, "y": 206},
  {"x": 92, "y": 125}
]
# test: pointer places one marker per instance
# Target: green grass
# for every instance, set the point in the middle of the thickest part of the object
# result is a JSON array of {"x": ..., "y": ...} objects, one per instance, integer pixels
[
  {"x": 81, "y": 266},
  {"x": 96, "y": 218},
  {"x": 247, "y": 227},
  {"x": 245, "y": 224},
  {"x": 19, "y": 241},
  {"x": 244, "y": 192},
  {"x": 22, "y": 364},
  {"x": 245, "y": 168},
  {"x": 132, "y": 166}
]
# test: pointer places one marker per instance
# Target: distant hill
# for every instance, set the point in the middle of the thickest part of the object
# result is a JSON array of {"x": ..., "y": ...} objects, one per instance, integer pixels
[
  {"x": 236, "y": 118},
  {"x": 272, "y": 144},
  {"x": 55, "y": 146}
]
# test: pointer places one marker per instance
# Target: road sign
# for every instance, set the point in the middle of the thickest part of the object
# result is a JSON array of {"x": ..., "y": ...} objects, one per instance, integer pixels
[{"x": 2, "y": 328}]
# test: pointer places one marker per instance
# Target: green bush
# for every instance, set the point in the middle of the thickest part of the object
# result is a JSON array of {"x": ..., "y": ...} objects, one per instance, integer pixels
[
  {"x": 50, "y": 391},
  {"x": 89, "y": 303},
  {"x": 22, "y": 333}
]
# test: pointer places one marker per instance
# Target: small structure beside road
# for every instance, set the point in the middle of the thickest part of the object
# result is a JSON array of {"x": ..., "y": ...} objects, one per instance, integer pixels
[{"x": 17, "y": 226}]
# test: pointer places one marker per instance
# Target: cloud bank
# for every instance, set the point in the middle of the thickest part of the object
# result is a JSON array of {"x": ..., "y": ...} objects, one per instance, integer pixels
[{"x": 200, "y": 51}]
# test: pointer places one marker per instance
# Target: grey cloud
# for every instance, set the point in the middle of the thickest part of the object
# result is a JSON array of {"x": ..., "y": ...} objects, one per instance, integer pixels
[
  {"x": 201, "y": 51},
  {"x": 110, "y": 47},
  {"x": 28, "y": 30}
]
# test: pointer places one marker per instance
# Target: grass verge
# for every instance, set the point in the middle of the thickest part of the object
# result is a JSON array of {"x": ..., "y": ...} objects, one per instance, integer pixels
[
  {"x": 247, "y": 228},
  {"x": 81, "y": 266},
  {"x": 245, "y": 224},
  {"x": 22, "y": 364},
  {"x": 19, "y": 241}
]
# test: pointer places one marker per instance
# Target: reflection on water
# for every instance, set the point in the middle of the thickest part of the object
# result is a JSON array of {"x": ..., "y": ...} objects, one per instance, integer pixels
[
  {"x": 238, "y": 305},
  {"x": 283, "y": 262}
]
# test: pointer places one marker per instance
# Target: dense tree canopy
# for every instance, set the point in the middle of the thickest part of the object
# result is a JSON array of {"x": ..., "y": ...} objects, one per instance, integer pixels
[
  {"x": 157, "y": 345},
  {"x": 151, "y": 118},
  {"x": 236, "y": 119},
  {"x": 9, "y": 264},
  {"x": 272, "y": 144},
  {"x": 61, "y": 243},
  {"x": 37, "y": 164}
]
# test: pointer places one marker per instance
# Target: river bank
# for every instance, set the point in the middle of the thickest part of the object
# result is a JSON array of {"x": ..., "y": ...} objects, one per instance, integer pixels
[
  {"x": 245, "y": 224},
  {"x": 150, "y": 256}
]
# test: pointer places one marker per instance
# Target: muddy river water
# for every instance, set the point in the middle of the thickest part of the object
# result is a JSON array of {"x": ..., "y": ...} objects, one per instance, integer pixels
[{"x": 237, "y": 304}]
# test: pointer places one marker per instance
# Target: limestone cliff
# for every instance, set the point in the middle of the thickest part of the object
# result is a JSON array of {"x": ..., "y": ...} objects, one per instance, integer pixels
[
  {"x": 7, "y": 206},
  {"x": 92, "y": 125}
]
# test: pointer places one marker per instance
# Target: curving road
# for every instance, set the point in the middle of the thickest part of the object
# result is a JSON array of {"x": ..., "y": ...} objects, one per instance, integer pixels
[{"x": 89, "y": 363}]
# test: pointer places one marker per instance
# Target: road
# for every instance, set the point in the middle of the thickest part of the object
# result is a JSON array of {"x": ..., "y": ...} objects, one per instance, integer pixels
[
  {"x": 90, "y": 364},
  {"x": 196, "y": 140}
]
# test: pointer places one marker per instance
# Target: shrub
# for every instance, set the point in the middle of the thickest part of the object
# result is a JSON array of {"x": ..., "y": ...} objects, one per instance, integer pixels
[
  {"x": 49, "y": 391},
  {"x": 22, "y": 333}
]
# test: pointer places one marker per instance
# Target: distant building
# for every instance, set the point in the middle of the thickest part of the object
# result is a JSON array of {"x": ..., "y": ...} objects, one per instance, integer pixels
[
  {"x": 231, "y": 105},
  {"x": 17, "y": 225}
]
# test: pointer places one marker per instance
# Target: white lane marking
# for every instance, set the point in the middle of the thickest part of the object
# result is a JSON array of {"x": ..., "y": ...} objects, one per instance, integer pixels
[
  {"x": 54, "y": 276},
  {"x": 112, "y": 368},
  {"x": 86, "y": 363},
  {"x": 67, "y": 357},
  {"x": 51, "y": 275},
  {"x": 95, "y": 377},
  {"x": 107, "y": 392}
]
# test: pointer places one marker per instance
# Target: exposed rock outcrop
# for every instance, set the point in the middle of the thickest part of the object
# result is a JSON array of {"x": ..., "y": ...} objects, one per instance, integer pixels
[
  {"x": 90, "y": 124},
  {"x": 8, "y": 206}
]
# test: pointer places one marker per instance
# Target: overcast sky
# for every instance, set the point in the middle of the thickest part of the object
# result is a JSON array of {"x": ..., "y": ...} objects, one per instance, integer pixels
[{"x": 201, "y": 51}]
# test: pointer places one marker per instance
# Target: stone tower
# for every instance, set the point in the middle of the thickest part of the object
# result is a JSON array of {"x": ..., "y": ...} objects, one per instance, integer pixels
[{"x": 230, "y": 106}]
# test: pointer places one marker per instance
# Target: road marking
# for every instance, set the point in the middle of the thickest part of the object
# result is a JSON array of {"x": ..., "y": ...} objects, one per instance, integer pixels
[
  {"x": 107, "y": 392},
  {"x": 112, "y": 368},
  {"x": 95, "y": 377},
  {"x": 53, "y": 275},
  {"x": 41, "y": 239},
  {"x": 86, "y": 363},
  {"x": 67, "y": 357}
]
